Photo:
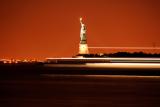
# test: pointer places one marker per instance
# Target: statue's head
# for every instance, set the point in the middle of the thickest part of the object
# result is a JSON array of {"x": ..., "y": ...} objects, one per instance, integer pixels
[{"x": 83, "y": 25}]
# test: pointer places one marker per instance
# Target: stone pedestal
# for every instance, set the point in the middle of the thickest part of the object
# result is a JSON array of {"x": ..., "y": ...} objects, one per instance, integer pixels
[{"x": 83, "y": 49}]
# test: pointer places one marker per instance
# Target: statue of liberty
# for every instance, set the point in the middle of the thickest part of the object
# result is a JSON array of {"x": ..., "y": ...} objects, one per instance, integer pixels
[{"x": 83, "y": 39}]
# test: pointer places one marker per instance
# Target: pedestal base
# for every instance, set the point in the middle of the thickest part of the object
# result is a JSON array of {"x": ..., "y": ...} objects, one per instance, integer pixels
[{"x": 83, "y": 49}]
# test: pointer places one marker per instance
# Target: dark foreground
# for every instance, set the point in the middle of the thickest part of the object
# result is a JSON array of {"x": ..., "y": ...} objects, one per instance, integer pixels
[
  {"x": 80, "y": 91},
  {"x": 38, "y": 86}
]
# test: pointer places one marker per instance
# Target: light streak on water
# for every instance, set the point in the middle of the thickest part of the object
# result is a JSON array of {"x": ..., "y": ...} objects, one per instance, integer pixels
[
  {"x": 125, "y": 58},
  {"x": 108, "y": 65},
  {"x": 124, "y": 65},
  {"x": 100, "y": 76}
]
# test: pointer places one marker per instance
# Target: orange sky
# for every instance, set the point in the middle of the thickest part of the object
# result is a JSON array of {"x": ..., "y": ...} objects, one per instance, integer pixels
[{"x": 50, "y": 28}]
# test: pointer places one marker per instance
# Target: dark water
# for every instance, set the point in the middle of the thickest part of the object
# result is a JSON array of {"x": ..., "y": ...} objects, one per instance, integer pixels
[{"x": 79, "y": 91}]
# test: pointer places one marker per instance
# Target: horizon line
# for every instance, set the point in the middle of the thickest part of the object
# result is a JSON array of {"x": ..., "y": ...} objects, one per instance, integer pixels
[{"x": 157, "y": 48}]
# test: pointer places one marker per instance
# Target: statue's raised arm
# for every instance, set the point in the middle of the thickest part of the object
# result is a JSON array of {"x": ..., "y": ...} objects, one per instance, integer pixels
[{"x": 81, "y": 21}]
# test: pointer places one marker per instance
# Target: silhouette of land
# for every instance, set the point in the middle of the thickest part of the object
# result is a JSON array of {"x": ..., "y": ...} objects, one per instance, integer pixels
[
  {"x": 37, "y": 68},
  {"x": 73, "y": 66},
  {"x": 123, "y": 54}
]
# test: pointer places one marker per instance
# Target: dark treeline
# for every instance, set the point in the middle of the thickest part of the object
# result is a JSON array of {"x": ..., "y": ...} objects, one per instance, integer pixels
[{"x": 122, "y": 54}]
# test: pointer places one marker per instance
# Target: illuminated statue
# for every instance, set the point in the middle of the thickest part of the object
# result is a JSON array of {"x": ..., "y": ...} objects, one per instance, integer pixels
[
  {"x": 83, "y": 47},
  {"x": 83, "y": 38}
]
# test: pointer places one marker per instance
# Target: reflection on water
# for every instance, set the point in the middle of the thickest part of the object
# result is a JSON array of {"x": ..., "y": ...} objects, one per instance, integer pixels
[
  {"x": 80, "y": 91},
  {"x": 100, "y": 76},
  {"x": 108, "y": 65}
]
